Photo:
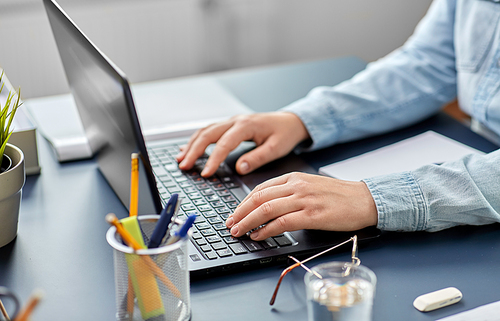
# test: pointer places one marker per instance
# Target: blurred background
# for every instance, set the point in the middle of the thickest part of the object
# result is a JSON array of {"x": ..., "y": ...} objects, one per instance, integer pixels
[{"x": 158, "y": 39}]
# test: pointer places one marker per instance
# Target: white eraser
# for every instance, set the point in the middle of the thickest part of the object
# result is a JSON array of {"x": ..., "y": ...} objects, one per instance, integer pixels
[{"x": 437, "y": 299}]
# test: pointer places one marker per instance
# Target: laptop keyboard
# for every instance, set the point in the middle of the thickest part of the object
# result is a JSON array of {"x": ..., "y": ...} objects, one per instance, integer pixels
[{"x": 212, "y": 199}]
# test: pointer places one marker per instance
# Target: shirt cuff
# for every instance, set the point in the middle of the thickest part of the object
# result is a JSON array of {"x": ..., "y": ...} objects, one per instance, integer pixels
[{"x": 400, "y": 202}]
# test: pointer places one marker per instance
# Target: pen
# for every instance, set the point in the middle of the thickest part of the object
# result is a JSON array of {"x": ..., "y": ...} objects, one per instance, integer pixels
[
  {"x": 134, "y": 184},
  {"x": 182, "y": 232},
  {"x": 164, "y": 221}
]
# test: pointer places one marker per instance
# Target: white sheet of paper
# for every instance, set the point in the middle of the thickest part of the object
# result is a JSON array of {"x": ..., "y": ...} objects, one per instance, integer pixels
[
  {"x": 409, "y": 154},
  {"x": 487, "y": 312}
]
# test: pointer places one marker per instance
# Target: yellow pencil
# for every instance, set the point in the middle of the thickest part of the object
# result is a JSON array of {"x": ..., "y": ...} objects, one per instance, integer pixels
[
  {"x": 26, "y": 311},
  {"x": 134, "y": 185}
]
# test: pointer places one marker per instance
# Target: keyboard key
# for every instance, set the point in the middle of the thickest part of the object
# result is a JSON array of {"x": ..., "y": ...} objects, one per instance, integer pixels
[
  {"x": 202, "y": 186},
  {"x": 282, "y": 240},
  {"x": 194, "y": 195},
  {"x": 252, "y": 246},
  {"x": 219, "y": 245},
  {"x": 269, "y": 243},
  {"x": 238, "y": 248},
  {"x": 201, "y": 242},
  {"x": 207, "y": 232},
  {"x": 213, "y": 239},
  {"x": 188, "y": 207},
  {"x": 206, "y": 248},
  {"x": 220, "y": 226},
  {"x": 224, "y": 192},
  {"x": 222, "y": 210},
  {"x": 212, "y": 198},
  {"x": 196, "y": 235},
  {"x": 214, "y": 220},
  {"x": 224, "y": 252},
  {"x": 204, "y": 208},
  {"x": 224, "y": 216},
  {"x": 229, "y": 198},
  {"x": 219, "y": 187},
  {"x": 217, "y": 204},
  {"x": 202, "y": 226},
  {"x": 209, "y": 214},
  {"x": 223, "y": 233},
  {"x": 199, "y": 218},
  {"x": 232, "y": 204},
  {"x": 211, "y": 255},
  {"x": 190, "y": 189},
  {"x": 172, "y": 167},
  {"x": 213, "y": 180},
  {"x": 199, "y": 202},
  {"x": 174, "y": 189},
  {"x": 206, "y": 192},
  {"x": 230, "y": 240},
  {"x": 232, "y": 185}
]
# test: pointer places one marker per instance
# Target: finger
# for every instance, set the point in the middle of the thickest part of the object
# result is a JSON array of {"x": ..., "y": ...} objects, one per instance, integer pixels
[
  {"x": 185, "y": 148},
  {"x": 227, "y": 142},
  {"x": 262, "y": 154},
  {"x": 290, "y": 222},
  {"x": 257, "y": 199},
  {"x": 182, "y": 151},
  {"x": 199, "y": 143},
  {"x": 263, "y": 214},
  {"x": 280, "y": 180}
]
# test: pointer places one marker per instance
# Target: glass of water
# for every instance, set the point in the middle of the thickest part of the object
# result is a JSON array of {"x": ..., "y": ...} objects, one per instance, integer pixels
[{"x": 340, "y": 291}]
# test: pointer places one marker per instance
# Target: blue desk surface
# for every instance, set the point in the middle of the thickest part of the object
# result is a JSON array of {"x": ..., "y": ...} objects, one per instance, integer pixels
[{"x": 61, "y": 245}]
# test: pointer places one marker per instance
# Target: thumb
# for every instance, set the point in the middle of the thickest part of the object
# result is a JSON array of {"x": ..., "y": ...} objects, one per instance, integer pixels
[{"x": 257, "y": 157}]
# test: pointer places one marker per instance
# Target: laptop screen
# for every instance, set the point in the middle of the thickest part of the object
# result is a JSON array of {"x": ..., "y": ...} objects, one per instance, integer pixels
[{"x": 104, "y": 101}]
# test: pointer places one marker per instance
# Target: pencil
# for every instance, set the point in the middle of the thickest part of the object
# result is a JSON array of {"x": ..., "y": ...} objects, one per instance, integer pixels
[
  {"x": 4, "y": 312},
  {"x": 134, "y": 184},
  {"x": 33, "y": 301},
  {"x": 125, "y": 235}
]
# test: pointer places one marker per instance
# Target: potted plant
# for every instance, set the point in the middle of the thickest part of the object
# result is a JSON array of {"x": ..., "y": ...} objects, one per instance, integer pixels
[{"x": 12, "y": 174}]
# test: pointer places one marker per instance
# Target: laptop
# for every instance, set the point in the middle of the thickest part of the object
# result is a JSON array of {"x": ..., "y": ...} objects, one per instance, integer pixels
[{"x": 106, "y": 107}]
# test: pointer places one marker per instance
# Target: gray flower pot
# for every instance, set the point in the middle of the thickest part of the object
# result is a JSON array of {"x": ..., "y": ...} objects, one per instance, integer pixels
[{"x": 11, "y": 186}]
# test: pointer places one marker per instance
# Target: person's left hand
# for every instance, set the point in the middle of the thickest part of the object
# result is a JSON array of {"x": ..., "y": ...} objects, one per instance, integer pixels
[{"x": 303, "y": 201}]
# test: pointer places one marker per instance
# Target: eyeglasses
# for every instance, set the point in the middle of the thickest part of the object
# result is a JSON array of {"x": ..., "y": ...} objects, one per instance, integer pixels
[{"x": 355, "y": 262}]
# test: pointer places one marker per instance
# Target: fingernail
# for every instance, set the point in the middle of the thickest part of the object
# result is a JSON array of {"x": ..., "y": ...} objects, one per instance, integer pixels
[
  {"x": 205, "y": 171},
  {"x": 182, "y": 164},
  {"x": 230, "y": 222},
  {"x": 234, "y": 230},
  {"x": 244, "y": 168},
  {"x": 254, "y": 235}
]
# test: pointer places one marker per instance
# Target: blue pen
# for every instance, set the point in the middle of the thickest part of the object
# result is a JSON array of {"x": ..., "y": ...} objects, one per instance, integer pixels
[
  {"x": 182, "y": 232},
  {"x": 164, "y": 221}
]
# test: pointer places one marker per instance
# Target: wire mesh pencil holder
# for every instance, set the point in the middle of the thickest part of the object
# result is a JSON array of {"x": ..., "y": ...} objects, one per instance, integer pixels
[{"x": 150, "y": 284}]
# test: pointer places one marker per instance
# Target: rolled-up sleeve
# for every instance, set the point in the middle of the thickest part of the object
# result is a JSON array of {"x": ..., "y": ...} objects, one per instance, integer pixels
[{"x": 435, "y": 197}]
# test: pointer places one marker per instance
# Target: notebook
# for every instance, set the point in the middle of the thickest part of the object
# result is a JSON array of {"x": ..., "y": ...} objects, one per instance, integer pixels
[{"x": 107, "y": 110}]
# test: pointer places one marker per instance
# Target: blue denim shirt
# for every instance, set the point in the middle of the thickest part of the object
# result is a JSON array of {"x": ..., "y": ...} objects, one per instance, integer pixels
[{"x": 454, "y": 52}]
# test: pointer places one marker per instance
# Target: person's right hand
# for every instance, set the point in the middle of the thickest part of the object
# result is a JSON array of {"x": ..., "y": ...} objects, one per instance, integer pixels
[{"x": 275, "y": 135}]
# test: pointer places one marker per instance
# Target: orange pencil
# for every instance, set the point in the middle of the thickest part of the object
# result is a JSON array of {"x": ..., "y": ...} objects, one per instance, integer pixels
[
  {"x": 134, "y": 185},
  {"x": 33, "y": 301}
]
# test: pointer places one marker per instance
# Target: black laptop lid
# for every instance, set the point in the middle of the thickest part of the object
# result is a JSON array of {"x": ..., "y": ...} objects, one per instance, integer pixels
[{"x": 104, "y": 101}]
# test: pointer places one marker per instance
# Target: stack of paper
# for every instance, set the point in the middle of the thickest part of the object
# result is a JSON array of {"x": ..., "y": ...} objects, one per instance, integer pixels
[{"x": 409, "y": 154}]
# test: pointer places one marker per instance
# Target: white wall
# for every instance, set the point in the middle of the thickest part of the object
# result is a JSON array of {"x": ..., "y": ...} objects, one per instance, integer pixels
[{"x": 155, "y": 39}]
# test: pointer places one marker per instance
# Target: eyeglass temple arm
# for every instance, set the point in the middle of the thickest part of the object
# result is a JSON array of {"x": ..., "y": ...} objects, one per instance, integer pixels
[{"x": 285, "y": 272}]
